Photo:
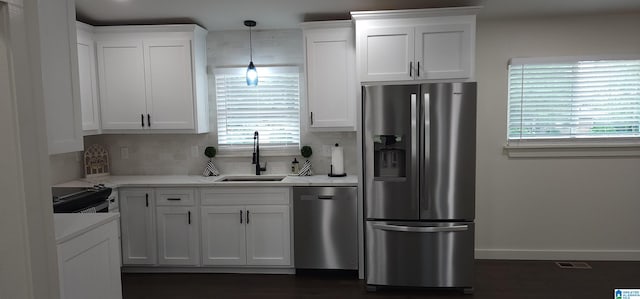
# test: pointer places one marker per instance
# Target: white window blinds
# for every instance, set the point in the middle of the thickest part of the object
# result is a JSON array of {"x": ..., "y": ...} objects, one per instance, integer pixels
[
  {"x": 272, "y": 108},
  {"x": 563, "y": 98}
]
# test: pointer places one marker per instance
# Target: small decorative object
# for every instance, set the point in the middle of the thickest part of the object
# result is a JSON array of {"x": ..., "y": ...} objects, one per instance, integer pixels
[
  {"x": 210, "y": 169},
  {"x": 306, "y": 167},
  {"x": 295, "y": 166},
  {"x": 96, "y": 161},
  {"x": 337, "y": 162}
]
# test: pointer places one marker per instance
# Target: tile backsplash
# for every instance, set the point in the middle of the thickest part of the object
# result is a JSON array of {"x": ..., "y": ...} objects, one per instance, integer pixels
[
  {"x": 66, "y": 167},
  {"x": 172, "y": 154}
]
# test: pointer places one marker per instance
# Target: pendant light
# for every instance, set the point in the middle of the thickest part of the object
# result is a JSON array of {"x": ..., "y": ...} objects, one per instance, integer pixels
[{"x": 252, "y": 73}]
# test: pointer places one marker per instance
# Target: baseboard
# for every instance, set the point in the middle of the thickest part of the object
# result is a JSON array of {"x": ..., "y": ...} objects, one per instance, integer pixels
[
  {"x": 588, "y": 255},
  {"x": 132, "y": 269}
]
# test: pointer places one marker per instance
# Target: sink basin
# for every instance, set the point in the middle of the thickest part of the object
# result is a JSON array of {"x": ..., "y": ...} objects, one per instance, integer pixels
[{"x": 253, "y": 179}]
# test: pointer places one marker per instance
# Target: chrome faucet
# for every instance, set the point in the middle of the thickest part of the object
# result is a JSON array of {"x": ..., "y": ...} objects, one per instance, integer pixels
[{"x": 256, "y": 154}]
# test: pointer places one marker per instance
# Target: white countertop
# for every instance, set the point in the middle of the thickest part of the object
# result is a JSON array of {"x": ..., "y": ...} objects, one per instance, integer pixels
[
  {"x": 69, "y": 226},
  {"x": 212, "y": 181}
]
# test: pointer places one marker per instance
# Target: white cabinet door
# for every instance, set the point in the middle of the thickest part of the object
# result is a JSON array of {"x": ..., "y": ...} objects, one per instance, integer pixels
[
  {"x": 177, "y": 236},
  {"x": 88, "y": 82},
  {"x": 89, "y": 265},
  {"x": 223, "y": 235},
  {"x": 268, "y": 236},
  {"x": 169, "y": 84},
  {"x": 59, "y": 66},
  {"x": 122, "y": 85},
  {"x": 444, "y": 51},
  {"x": 138, "y": 229},
  {"x": 387, "y": 54},
  {"x": 331, "y": 77}
]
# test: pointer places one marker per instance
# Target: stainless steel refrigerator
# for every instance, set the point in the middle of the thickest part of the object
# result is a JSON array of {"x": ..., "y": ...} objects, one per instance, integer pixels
[{"x": 419, "y": 146}]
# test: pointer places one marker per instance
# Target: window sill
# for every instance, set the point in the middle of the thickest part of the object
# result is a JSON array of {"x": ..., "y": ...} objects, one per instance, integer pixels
[
  {"x": 550, "y": 150},
  {"x": 231, "y": 153}
]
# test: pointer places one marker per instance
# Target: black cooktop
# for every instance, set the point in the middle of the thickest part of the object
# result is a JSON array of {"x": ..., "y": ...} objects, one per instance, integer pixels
[{"x": 72, "y": 199}]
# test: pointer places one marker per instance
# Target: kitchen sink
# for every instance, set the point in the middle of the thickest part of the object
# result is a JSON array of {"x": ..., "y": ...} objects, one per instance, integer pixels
[{"x": 252, "y": 179}]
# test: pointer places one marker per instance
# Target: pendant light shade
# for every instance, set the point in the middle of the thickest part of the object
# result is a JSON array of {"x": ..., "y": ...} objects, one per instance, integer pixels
[{"x": 252, "y": 72}]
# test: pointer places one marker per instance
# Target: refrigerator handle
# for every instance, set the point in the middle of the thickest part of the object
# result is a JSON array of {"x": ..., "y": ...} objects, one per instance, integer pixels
[
  {"x": 414, "y": 144},
  {"x": 421, "y": 229},
  {"x": 425, "y": 154}
]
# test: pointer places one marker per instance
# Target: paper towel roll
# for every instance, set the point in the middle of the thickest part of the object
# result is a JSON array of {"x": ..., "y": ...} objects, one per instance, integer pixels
[{"x": 337, "y": 160}]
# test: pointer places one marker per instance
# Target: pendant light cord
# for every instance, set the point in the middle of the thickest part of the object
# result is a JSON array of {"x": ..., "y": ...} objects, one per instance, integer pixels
[{"x": 250, "y": 46}]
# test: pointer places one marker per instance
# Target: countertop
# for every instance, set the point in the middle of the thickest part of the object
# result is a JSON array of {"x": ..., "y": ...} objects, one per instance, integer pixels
[
  {"x": 69, "y": 226},
  {"x": 212, "y": 181}
]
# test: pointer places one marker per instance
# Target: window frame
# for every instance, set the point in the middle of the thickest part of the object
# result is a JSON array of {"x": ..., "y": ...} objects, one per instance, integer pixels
[
  {"x": 567, "y": 147},
  {"x": 265, "y": 150}
]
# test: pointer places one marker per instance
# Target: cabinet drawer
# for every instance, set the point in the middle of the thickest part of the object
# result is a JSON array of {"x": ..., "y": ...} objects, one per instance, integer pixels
[
  {"x": 175, "y": 197},
  {"x": 242, "y": 196}
]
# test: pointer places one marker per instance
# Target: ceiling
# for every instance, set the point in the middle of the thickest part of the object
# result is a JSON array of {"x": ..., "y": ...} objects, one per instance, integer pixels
[{"x": 279, "y": 14}]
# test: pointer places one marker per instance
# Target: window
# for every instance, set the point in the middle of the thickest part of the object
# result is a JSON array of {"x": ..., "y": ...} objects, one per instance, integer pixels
[
  {"x": 573, "y": 99},
  {"x": 272, "y": 108}
]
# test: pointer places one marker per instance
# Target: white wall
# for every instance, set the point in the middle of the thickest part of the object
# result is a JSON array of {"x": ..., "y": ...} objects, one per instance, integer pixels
[
  {"x": 548, "y": 208},
  {"x": 171, "y": 154},
  {"x": 28, "y": 263}
]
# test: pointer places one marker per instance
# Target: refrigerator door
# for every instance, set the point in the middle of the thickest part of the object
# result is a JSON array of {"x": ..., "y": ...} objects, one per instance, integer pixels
[
  {"x": 448, "y": 151},
  {"x": 420, "y": 254},
  {"x": 390, "y": 145}
]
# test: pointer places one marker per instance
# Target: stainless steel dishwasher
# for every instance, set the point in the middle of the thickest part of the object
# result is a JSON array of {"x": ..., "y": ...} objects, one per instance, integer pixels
[{"x": 325, "y": 228}]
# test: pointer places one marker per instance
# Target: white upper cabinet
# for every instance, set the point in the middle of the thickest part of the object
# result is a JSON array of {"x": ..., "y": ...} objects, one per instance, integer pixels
[
  {"x": 170, "y": 92},
  {"x": 444, "y": 51},
  {"x": 153, "y": 79},
  {"x": 60, "y": 83},
  {"x": 88, "y": 79},
  {"x": 122, "y": 85},
  {"x": 330, "y": 67},
  {"x": 389, "y": 54},
  {"x": 424, "y": 44}
]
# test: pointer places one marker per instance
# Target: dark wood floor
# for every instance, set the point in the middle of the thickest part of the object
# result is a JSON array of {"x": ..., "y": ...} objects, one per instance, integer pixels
[{"x": 494, "y": 279}]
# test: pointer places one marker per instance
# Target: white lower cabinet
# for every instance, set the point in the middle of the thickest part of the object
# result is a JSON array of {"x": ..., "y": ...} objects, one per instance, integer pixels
[
  {"x": 215, "y": 227},
  {"x": 246, "y": 226},
  {"x": 268, "y": 235},
  {"x": 177, "y": 236},
  {"x": 256, "y": 235},
  {"x": 223, "y": 236},
  {"x": 89, "y": 266},
  {"x": 138, "y": 227}
]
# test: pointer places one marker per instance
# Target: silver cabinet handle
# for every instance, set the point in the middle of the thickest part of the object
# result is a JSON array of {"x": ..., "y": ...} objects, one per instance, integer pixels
[
  {"x": 317, "y": 197},
  {"x": 421, "y": 229}
]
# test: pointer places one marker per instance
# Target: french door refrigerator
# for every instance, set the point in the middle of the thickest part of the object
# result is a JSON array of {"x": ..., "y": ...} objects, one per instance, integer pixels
[{"x": 419, "y": 184}]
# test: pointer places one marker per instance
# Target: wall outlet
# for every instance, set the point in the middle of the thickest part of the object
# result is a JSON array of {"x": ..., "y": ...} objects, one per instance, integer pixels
[
  {"x": 194, "y": 151},
  {"x": 124, "y": 153}
]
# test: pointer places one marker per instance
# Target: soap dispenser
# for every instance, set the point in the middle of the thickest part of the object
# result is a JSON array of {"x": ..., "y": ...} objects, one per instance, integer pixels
[{"x": 295, "y": 166}]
